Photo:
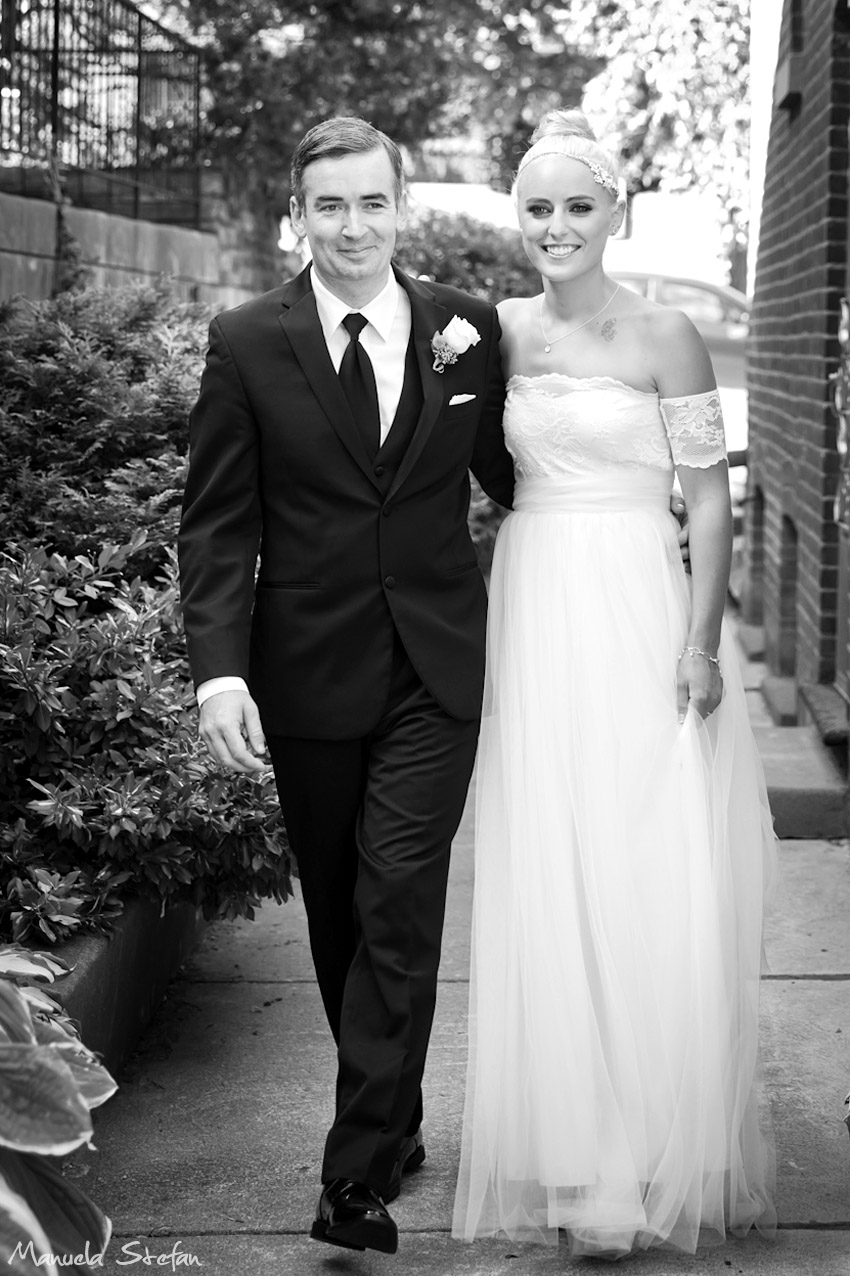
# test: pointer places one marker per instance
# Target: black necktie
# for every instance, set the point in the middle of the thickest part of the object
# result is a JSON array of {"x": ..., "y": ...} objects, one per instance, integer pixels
[{"x": 358, "y": 382}]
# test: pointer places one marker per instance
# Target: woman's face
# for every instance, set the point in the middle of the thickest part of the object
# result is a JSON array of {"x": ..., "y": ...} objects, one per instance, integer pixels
[{"x": 565, "y": 216}]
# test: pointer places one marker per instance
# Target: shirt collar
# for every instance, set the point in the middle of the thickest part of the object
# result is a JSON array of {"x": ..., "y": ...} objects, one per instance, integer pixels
[{"x": 380, "y": 311}]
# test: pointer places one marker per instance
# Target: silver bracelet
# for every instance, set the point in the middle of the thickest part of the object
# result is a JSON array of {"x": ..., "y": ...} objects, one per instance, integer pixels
[{"x": 698, "y": 651}]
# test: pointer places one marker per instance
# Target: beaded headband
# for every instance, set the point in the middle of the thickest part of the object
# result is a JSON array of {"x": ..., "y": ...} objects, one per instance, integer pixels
[{"x": 570, "y": 147}]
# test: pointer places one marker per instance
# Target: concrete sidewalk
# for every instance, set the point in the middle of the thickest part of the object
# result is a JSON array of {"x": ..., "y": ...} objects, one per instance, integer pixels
[{"x": 208, "y": 1157}]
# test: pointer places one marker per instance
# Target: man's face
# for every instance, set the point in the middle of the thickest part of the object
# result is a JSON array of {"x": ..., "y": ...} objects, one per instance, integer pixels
[{"x": 350, "y": 219}]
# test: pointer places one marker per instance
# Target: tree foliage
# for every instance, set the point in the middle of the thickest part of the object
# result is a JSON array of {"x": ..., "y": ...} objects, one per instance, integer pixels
[
  {"x": 480, "y": 69},
  {"x": 672, "y": 96},
  {"x": 664, "y": 82}
]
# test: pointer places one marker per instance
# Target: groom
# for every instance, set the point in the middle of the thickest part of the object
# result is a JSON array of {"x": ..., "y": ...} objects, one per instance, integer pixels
[{"x": 337, "y": 420}]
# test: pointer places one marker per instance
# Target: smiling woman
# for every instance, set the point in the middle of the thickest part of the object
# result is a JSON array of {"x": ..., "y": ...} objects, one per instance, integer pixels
[
  {"x": 568, "y": 202},
  {"x": 622, "y": 826}
]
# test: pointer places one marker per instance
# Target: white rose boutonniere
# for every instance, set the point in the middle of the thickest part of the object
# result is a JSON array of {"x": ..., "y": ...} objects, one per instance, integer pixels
[{"x": 456, "y": 338}]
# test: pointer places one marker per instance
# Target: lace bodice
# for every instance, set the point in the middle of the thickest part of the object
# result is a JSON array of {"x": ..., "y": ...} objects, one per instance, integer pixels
[{"x": 558, "y": 426}]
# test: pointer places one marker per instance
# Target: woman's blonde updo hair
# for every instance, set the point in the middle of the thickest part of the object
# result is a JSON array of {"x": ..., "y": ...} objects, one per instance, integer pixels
[{"x": 568, "y": 133}]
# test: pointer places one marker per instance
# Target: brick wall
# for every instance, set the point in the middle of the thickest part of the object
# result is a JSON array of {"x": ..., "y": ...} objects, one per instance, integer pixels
[{"x": 791, "y": 552}]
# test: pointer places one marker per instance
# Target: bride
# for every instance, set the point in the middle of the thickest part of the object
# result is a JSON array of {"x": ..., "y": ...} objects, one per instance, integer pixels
[{"x": 623, "y": 835}]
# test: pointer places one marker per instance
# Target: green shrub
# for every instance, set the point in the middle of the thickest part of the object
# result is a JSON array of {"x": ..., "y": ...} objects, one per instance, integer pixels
[
  {"x": 452, "y": 248},
  {"x": 104, "y": 788},
  {"x": 96, "y": 389}
]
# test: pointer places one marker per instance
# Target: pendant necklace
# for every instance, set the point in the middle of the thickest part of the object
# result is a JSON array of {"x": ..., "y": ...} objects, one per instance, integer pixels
[{"x": 547, "y": 344}]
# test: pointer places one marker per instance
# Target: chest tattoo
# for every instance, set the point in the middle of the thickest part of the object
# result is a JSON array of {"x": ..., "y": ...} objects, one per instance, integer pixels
[{"x": 608, "y": 331}]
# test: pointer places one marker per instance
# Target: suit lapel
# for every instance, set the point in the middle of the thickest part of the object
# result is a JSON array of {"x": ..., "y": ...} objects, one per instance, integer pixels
[
  {"x": 427, "y": 316},
  {"x": 300, "y": 322}
]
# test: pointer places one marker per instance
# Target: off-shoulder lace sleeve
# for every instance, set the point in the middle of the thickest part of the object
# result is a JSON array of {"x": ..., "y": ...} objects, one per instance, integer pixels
[{"x": 695, "y": 429}]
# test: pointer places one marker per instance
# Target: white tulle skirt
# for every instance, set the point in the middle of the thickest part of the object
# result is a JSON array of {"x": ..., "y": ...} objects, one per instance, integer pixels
[{"x": 620, "y": 869}]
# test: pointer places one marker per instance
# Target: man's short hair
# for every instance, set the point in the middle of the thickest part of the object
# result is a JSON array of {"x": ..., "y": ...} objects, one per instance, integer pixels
[{"x": 334, "y": 138}]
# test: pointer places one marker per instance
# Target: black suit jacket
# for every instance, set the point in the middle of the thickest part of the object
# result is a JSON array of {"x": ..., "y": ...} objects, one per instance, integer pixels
[{"x": 347, "y": 553}]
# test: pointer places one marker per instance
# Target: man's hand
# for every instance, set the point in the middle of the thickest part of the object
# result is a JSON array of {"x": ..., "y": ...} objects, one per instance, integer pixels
[
  {"x": 679, "y": 511},
  {"x": 230, "y": 728}
]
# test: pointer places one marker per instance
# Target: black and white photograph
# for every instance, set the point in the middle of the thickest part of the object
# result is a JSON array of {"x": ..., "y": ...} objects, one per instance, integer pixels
[{"x": 425, "y": 637}]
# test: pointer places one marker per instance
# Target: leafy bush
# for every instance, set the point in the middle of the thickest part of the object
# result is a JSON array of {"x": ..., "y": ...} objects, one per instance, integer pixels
[
  {"x": 104, "y": 788},
  {"x": 96, "y": 389},
  {"x": 452, "y": 248},
  {"x": 49, "y": 1082}
]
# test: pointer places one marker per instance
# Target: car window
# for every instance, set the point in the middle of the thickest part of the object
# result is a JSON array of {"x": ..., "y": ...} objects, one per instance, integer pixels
[{"x": 699, "y": 304}]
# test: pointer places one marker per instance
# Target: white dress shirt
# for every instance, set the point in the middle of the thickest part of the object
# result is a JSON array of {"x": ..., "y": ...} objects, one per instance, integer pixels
[{"x": 384, "y": 338}]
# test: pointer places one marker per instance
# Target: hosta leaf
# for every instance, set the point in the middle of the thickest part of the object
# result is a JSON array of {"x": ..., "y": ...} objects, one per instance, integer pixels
[
  {"x": 16, "y": 961},
  {"x": 53, "y": 1032},
  {"x": 94, "y": 1083},
  {"x": 40, "y": 1110},
  {"x": 40, "y": 1000},
  {"x": 15, "y": 1018},
  {"x": 19, "y": 1228},
  {"x": 73, "y": 1224}
]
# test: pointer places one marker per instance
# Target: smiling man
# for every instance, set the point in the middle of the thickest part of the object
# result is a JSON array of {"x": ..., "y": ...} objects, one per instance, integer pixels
[{"x": 337, "y": 421}]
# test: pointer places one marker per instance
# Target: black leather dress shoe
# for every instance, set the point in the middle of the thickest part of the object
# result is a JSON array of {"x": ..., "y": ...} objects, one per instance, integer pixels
[
  {"x": 410, "y": 1157},
  {"x": 352, "y": 1215}
]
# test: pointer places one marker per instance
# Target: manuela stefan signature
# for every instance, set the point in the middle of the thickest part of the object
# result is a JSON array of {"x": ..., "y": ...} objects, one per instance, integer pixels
[{"x": 133, "y": 1252}]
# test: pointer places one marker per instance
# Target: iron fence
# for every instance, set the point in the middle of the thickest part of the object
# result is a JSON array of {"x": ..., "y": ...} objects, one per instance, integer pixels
[{"x": 100, "y": 98}]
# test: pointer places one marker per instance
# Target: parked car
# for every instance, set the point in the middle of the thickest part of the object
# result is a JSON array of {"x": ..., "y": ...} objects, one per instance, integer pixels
[{"x": 720, "y": 313}]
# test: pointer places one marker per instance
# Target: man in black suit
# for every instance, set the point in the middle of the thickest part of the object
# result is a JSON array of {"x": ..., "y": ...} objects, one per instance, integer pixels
[{"x": 337, "y": 421}]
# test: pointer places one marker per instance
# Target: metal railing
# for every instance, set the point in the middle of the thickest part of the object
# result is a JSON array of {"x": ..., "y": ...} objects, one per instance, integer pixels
[{"x": 104, "y": 100}]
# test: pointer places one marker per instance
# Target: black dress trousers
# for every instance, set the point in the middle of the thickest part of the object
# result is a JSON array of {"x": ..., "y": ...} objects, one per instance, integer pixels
[{"x": 370, "y": 822}]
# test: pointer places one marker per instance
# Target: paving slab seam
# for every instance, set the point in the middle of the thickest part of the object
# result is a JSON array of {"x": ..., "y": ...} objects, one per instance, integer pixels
[
  {"x": 813, "y": 1227},
  {"x": 814, "y": 979},
  {"x": 237, "y": 979},
  {"x": 403, "y": 1231},
  {"x": 213, "y": 983},
  {"x": 169, "y": 1233},
  {"x": 181, "y": 1234}
]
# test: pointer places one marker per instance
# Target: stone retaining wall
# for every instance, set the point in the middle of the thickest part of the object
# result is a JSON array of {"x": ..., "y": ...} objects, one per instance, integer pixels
[{"x": 225, "y": 264}]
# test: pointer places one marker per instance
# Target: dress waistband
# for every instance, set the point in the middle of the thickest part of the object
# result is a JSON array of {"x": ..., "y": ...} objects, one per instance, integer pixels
[{"x": 594, "y": 493}]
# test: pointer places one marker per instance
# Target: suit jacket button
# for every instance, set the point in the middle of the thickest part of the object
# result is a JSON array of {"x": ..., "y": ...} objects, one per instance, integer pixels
[
  {"x": 389, "y": 581},
  {"x": 387, "y": 510},
  {"x": 379, "y": 470}
]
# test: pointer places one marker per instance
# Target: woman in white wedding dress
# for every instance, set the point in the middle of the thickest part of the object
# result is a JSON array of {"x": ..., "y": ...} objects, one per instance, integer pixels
[{"x": 623, "y": 838}]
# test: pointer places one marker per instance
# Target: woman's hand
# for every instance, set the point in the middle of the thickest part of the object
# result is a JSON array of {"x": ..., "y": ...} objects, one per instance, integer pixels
[{"x": 699, "y": 682}]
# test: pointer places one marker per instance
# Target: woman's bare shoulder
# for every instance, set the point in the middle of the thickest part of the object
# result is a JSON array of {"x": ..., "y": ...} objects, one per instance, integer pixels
[
  {"x": 516, "y": 307},
  {"x": 683, "y": 362}
]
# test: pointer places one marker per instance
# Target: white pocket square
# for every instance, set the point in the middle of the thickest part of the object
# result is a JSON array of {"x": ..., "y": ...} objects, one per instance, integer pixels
[{"x": 460, "y": 398}]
